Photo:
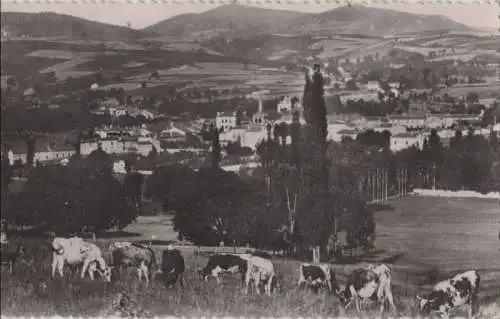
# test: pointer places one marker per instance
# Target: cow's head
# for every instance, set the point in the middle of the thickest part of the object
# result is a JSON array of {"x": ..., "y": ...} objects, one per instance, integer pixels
[
  {"x": 424, "y": 305},
  {"x": 105, "y": 273},
  {"x": 343, "y": 294},
  {"x": 104, "y": 270},
  {"x": 204, "y": 273},
  {"x": 276, "y": 282}
]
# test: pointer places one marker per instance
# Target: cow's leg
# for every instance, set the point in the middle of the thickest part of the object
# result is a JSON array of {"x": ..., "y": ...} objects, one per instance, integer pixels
[
  {"x": 92, "y": 269},
  {"x": 86, "y": 264},
  {"x": 54, "y": 265},
  {"x": 247, "y": 283},
  {"x": 145, "y": 272},
  {"x": 473, "y": 304},
  {"x": 11, "y": 266},
  {"x": 181, "y": 280},
  {"x": 269, "y": 285},
  {"x": 139, "y": 273},
  {"x": 390, "y": 298},
  {"x": 256, "y": 282},
  {"x": 357, "y": 302}
]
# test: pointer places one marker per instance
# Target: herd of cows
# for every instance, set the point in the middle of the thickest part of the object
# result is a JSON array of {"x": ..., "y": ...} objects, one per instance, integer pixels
[{"x": 372, "y": 283}]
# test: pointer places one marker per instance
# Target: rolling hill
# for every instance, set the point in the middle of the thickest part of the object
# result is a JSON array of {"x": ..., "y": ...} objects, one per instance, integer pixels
[
  {"x": 373, "y": 21},
  {"x": 238, "y": 20},
  {"x": 53, "y": 25},
  {"x": 232, "y": 19}
]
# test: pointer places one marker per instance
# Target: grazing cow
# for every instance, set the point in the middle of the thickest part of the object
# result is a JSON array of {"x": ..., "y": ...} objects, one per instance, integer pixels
[
  {"x": 139, "y": 256},
  {"x": 261, "y": 270},
  {"x": 75, "y": 251},
  {"x": 316, "y": 276},
  {"x": 225, "y": 263},
  {"x": 10, "y": 257},
  {"x": 371, "y": 283},
  {"x": 172, "y": 267},
  {"x": 452, "y": 293}
]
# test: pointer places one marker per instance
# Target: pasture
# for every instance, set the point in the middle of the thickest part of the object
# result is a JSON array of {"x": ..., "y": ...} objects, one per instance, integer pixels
[{"x": 424, "y": 239}]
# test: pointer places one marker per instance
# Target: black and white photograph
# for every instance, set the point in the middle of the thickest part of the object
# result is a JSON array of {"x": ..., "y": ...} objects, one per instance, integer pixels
[{"x": 250, "y": 159}]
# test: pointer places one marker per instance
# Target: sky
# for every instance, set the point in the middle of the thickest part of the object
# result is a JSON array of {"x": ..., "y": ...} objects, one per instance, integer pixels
[{"x": 482, "y": 15}]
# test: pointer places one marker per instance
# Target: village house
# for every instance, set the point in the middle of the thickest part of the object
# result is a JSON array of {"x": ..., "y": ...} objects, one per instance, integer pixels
[
  {"x": 352, "y": 133},
  {"x": 46, "y": 150},
  {"x": 405, "y": 140},
  {"x": 172, "y": 134},
  {"x": 123, "y": 145},
  {"x": 409, "y": 121},
  {"x": 286, "y": 105},
  {"x": 117, "y": 111},
  {"x": 225, "y": 121},
  {"x": 373, "y": 86}
]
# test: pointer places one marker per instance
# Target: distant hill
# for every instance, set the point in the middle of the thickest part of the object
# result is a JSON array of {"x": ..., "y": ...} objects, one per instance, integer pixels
[
  {"x": 246, "y": 20},
  {"x": 229, "y": 19},
  {"x": 49, "y": 24},
  {"x": 373, "y": 21}
]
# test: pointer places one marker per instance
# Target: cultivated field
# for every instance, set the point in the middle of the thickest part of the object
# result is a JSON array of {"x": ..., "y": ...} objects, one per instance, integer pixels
[{"x": 424, "y": 239}]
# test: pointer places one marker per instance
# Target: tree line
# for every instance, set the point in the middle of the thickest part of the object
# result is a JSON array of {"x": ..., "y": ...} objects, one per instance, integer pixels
[{"x": 82, "y": 196}]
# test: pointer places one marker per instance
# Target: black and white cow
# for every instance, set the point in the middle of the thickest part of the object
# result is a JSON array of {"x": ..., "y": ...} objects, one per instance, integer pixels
[
  {"x": 225, "y": 263},
  {"x": 131, "y": 254},
  {"x": 172, "y": 267},
  {"x": 368, "y": 284},
  {"x": 452, "y": 293},
  {"x": 11, "y": 256},
  {"x": 316, "y": 276}
]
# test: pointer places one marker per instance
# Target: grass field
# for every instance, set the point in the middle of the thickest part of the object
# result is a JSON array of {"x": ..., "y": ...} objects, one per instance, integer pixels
[{"x": 424, "y": 239}]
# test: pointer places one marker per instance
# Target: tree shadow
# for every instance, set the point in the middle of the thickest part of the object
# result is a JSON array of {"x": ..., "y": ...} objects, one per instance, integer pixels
[
  {"x": 154, "y": 242},
  {"x": 118, "y": 234},
  {"x": 377, "y": 207},
  {"x": 393, "y": 259}
]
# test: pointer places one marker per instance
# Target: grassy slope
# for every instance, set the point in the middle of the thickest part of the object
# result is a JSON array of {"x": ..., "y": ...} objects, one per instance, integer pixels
[{"x": 433, "y": 233}]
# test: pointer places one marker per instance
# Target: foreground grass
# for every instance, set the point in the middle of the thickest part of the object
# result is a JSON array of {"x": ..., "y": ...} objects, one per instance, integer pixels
[{"x": 31, "y": 291}]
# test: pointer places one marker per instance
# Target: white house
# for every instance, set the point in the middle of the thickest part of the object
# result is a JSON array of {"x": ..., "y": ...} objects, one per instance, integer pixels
[
  {"x": 119, "y": 167},
  {"x": 117, "y": 111},
  {"x": 394, "y": 85},
  {"x": 131, "y": 145},
  {"x": 225, "y": 121},
  {"x": 247, "y": 136},
  {"x": 285, "y": 105},
  {"x": 173, "y": 134},
  {"x": 373, "y": 86},
  {"x": 408, "y": 120},
  {"x": 45, "y": 151},
  {"x": 405, "y": 140},
  {"x": 352, "y": 133}
]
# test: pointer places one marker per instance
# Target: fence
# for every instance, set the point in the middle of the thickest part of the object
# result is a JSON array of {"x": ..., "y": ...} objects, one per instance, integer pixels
[{"x": 379, "y": 185}]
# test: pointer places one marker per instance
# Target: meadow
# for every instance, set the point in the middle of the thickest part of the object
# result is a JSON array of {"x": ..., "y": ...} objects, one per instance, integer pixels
[{"x": 424, "y": 239}]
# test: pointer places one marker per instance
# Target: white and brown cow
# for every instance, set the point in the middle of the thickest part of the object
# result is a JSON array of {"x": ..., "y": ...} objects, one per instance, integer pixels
[
  {"x": 75, "y": 251},
  {"x": 461, "y": 290},
  {"x": 127, "y": 254},
  {"x": 372, "y": 283},
  {"x": 261, "y": 270},
  {"x": 316, "y": 276}
]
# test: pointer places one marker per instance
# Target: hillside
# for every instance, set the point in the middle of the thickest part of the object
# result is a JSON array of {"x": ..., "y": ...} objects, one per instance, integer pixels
[
  {"x": 231, "y": 19},
  {"x": 49, "y": 24},
  {"x": 373, "y": 21},
  {"x": 246, "y": 20}
]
